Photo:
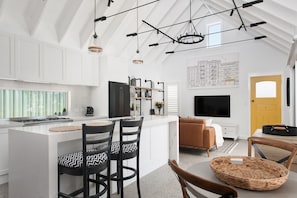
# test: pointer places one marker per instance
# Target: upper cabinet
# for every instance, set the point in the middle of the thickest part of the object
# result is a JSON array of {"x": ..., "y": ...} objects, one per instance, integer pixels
[
  {"x": 52, "y": 63},
  {"x": 90, "y": 70},
  {"x": 7, "y": 65},
  {"x": 73, "y": 67},
  {"x": 27, "y": 59}
]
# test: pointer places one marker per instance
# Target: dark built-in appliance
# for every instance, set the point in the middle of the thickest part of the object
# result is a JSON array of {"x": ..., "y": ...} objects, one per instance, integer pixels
[
  {"x": 119, "y": 99},
  {"x": 31, "y": 121},
  {"x": 213, "y": 106}
]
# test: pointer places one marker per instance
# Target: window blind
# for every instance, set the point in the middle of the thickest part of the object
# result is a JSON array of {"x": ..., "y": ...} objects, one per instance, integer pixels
[{"x": 172, "y": 99}]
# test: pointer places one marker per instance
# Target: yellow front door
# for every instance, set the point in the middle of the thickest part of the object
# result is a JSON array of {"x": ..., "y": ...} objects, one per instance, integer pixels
[{"x": 265, "y": 101}]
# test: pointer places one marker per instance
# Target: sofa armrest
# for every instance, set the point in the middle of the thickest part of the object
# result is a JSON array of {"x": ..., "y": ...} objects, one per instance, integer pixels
[{"x": 209, "y": 137}]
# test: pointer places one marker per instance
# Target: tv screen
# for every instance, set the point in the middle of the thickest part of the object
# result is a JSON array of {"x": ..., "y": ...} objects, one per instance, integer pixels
[
  {"x": 119, "y": 99},
  {"x": 214, "y": 106}
]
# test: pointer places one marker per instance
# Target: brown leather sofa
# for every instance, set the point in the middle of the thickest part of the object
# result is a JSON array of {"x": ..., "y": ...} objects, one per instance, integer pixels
[{"x": 193, "y": 132}]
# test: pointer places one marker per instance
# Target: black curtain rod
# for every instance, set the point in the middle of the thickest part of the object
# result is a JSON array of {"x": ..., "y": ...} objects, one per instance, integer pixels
[
  {"x": 103, "y": 18},
  {"x": 232, "y": 42}
]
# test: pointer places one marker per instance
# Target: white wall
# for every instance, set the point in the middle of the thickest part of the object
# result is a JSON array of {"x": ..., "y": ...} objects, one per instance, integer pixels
[
  {"x": 111, "y": 69},
  {"x": 255, "y": 58}
]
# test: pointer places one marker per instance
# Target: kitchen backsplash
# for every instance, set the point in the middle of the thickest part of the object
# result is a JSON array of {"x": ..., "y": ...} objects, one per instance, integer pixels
[{"x": 79, "y": 95}]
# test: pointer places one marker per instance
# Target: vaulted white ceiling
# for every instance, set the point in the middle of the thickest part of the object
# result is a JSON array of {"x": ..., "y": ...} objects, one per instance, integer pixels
[{"x": 70, "y": 22}]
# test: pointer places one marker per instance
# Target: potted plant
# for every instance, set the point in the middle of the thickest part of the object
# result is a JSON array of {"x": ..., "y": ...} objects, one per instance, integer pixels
[{"x": 159, "y": 105}]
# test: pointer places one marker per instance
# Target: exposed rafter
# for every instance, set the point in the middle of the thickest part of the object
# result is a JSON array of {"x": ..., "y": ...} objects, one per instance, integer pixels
[
  {"x": 66, "y": 17},
  {"x": 87, "y": 29},
  {"x": 33, "y": 14}
]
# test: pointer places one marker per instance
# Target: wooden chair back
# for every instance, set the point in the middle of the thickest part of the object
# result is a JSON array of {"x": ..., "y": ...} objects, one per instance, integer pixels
[
  {"x": 290, "y": 147},
  {"x": 185, "y": 178}
]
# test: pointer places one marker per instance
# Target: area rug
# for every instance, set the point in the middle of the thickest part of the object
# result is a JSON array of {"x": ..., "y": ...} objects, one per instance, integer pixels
[{"x": 228, "y": 146}]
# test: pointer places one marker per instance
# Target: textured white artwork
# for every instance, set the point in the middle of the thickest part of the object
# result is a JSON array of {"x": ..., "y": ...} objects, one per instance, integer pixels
[{"x": 217, "y": 71}]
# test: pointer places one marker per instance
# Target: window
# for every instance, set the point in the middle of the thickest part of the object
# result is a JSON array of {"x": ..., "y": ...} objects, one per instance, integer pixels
[
  {"x": 266, "y": 89},
  {"x": 28, "y": 103},
  {"x": 172, "y": 99},
  {"x": 214, "y": 35}
]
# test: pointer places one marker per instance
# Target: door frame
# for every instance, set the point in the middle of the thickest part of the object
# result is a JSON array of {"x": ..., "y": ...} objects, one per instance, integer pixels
[{"x": 281, "y": 74}]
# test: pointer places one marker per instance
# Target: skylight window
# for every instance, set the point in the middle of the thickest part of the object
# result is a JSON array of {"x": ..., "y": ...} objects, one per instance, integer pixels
[{"x": 214, "y": 35}]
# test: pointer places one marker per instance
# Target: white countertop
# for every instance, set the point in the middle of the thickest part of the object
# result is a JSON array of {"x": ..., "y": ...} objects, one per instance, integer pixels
[
  {"x": 9, "y": 124},
  {"x": 44, "y": 129}
]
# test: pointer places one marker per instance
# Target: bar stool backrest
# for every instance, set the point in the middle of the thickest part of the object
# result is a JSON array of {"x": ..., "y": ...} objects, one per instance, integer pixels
[
  {"x": 130, "y": 132},
  {"x": 279, "y": 146},
  {"x": 96, "y": 140}
]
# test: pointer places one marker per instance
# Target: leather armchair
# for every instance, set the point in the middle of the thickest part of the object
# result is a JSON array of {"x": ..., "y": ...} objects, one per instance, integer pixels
[{"x": 193, "y": 132}]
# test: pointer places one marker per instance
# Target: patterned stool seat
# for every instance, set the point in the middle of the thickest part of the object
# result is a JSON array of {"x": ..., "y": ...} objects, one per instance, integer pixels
[
  {"x": 75, "y": 160},
  {"x": 127, "y": 148}
]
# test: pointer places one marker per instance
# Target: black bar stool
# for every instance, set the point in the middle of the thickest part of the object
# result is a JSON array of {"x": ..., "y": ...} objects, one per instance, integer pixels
[
  {"x": 127, "y": 148},
  {"x": 92, "y": 160}
]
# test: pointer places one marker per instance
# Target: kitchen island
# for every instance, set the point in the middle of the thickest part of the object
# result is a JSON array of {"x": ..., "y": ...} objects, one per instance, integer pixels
[{"x": 34, "y": 151}]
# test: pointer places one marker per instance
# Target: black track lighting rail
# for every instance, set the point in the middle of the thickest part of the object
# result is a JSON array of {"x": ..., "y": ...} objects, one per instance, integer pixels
[
  {"x": 103, "y": 18},
  {"x": 245, "y": 5},
  {"x": 223, "y": 31},
  {"x": 227, "y": 43}
]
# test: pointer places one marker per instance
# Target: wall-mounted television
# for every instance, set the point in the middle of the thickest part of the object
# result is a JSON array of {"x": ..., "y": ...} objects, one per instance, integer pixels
[
  {"x": 119, "y": 99},
  {"x": 213, "y": 106}
]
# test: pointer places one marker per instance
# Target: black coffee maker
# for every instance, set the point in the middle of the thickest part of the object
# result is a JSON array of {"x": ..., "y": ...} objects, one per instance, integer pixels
[{"x": 90, "y": 111}]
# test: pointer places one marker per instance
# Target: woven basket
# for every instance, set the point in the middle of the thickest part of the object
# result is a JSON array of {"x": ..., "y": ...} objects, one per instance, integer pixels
[{"x": 253, "y": 173}]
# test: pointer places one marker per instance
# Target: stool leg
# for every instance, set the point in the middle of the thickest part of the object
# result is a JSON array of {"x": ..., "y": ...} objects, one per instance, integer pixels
[
  {"x": 108, "y": 181},
  {"x": 58, "y": 183},
  {"x": 118, "y": 176},
  {"x": 122, "y": 180},
  {"x": 97, "y": 185},
  {"x": 138, "y": 180},
  {"x": 86, "y": 185}
]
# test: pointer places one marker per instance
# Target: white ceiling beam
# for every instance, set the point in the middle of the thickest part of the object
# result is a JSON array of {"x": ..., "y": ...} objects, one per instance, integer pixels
[
  {"x": 33, "y": 14},
  {"x": 279, "y": 11},
  {"x": 1, "y": 7},
  {"x": 162, "y": 56},
  {"x": 159, "y": 51},
  {"x": 288, "y": 4},
  {"x": 179, "y": 13},
  {"x": 155, "y": 17},
  {"x": 144, "y": 37},
  {"x": 117, "y": 29},
  {"x": 275, "y": 26},
  {"x": 87, "y": 29},
  {"x": 66, "y": 17}
]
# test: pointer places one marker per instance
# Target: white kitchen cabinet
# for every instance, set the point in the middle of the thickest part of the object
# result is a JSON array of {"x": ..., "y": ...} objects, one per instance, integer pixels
[
  {"x": 90, "y": 70},
  {"x": 7, "y": 66},
  {"x": 3, "y": 155},
  {"x": 73, "y": 67},
  {"x": 230, "y": 130},
  {"x": 51, "y": 63},
  {"x": 27, "y": 59}
]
